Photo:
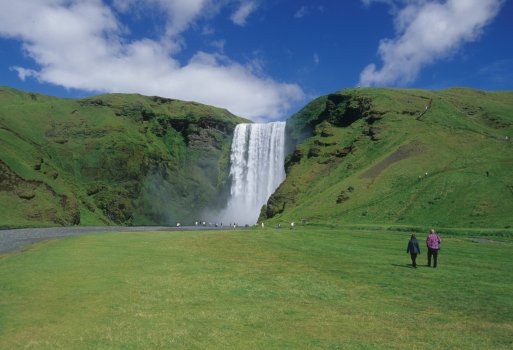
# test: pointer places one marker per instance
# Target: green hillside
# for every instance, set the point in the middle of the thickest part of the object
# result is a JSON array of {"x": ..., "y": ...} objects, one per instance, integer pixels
[
  {"x": 401, "y": 157},
  {"x": 110, "y": 159}
]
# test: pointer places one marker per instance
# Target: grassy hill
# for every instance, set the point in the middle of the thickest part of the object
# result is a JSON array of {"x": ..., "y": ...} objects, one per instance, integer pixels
[
  {"x": 400, "y": 157},
  {"x": 110, "y": 159},
  {"x": 363, "y": 156}
]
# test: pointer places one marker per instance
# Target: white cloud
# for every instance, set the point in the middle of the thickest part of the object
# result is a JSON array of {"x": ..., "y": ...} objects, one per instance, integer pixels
[
  {"x": 308, "y": 10},
  {"x": 316, "y": 59},
  {"x": 240, "y": 16},
  {"x": 180, "y": 13},
  {"x": 303, "y": 10},
  {"x": 388, "y": 2},
  {"x": 24, "y": 73},
  {"x": 218, "y": 44},
  {"x": 426, "y": 31},
  {"x": 82, "y": 44}
]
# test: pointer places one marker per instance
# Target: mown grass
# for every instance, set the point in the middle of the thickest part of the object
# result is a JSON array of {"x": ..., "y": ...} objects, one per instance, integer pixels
[{"x": 317, "y": 288}]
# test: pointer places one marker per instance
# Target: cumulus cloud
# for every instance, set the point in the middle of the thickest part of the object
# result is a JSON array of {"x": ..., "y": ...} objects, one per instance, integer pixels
[
  {"x": 180, "y": 13},
  {"x": 304, "y": 11},
  {"x": 245, "y": 9},
  {"x": 83, "y": 45},
  {"x": 426, "y": 31}
]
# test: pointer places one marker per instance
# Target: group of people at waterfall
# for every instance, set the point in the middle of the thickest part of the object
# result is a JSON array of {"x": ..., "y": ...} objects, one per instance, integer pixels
[
  {"x": 278, "y": 226},
  {"x": 433, "y": 243}
]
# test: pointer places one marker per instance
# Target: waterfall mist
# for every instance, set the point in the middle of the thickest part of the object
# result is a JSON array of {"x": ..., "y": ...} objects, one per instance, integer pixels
[{"x": 257, "y": 169}]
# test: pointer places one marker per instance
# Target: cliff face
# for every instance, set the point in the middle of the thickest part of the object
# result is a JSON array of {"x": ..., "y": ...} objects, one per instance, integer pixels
[
  {"x": 400, "y": 156},
  {"x": 110, "y": 159}
]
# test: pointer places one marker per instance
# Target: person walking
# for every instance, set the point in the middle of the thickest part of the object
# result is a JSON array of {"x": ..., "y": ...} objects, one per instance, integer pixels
[
  {"x": 433, "y": 242},
  {"x": 414, "y": 249}
]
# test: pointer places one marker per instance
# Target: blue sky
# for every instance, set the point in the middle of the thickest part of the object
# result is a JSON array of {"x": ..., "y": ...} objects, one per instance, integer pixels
[{"x": 261, "y": 59}]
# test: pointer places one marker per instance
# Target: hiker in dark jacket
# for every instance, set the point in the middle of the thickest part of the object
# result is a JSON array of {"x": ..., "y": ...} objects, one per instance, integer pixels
[{"x": 413, "y": 249}]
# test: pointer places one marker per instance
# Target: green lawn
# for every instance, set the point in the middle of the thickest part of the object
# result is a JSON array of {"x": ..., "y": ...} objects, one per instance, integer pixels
[{"x": 313, "y": 288}]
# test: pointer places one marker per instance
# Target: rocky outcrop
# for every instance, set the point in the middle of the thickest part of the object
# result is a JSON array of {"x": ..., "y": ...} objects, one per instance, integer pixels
[{"x": 37, "y": 200}]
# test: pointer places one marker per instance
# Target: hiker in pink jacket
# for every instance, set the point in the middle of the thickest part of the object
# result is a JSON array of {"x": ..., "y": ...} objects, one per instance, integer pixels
[{"x": 433, "y": 244}]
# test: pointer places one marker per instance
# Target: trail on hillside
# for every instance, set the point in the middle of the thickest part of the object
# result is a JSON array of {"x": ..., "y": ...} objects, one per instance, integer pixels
[
  {"x": 414, "y": 183},
  {"x": 403, "y": 152}
]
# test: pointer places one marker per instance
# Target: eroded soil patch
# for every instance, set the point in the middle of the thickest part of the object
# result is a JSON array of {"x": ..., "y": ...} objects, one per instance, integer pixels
[{"x": 403, "y": 152}]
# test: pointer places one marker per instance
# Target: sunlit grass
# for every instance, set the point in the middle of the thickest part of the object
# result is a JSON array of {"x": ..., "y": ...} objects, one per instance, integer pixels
[{"x": 305, "y": 288}]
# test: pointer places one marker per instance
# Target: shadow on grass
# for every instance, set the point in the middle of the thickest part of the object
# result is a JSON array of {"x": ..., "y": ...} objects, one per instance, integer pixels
[{"x": 404, "y": 265}]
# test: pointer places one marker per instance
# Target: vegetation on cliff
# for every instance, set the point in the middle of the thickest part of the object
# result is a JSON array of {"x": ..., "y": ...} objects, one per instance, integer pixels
[
  {"x": 110, "y": 159},
  {"x": 402, "y": 157}
]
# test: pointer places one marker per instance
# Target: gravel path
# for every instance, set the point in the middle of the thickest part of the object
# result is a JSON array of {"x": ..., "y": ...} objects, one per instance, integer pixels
[{"x": 12, "y": 240}]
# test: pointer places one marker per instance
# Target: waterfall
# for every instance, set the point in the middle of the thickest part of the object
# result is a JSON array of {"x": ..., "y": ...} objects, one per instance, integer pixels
[{"x": 257, "y": 169}]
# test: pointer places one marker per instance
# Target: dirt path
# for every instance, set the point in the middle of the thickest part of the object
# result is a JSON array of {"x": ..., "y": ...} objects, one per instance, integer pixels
[{"x": 404, "y": 152}]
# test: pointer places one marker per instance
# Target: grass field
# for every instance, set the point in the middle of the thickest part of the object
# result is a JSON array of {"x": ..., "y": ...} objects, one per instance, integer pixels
[{"x": 310, "y": 288}]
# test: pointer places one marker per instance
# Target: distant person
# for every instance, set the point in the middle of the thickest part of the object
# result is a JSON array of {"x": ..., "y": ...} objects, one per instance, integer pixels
[
  {"x": 433, "y": 242},
  {"x": 414, "y": 249},
  {"x": 292, "y": 225},
  {"x": 263, "y": 224}
]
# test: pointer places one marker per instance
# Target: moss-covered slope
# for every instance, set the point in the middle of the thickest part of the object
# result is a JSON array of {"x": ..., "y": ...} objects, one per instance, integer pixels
[
  {"x": 399, "y": 156},
  {"x": 110, "y": 159}
]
